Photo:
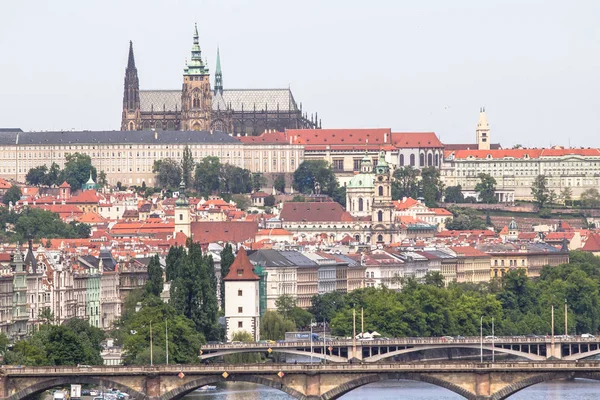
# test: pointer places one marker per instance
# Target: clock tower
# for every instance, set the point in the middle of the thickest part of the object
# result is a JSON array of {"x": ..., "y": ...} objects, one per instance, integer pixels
[{"x": 382, "y": 207}]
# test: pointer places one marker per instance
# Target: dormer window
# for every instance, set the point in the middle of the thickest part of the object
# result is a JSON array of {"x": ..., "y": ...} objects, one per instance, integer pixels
[{"x": 240, "y": 272}]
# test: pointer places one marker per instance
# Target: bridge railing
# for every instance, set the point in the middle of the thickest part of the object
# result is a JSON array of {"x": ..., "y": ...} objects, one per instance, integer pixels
[{"x": 298, "y": 368}]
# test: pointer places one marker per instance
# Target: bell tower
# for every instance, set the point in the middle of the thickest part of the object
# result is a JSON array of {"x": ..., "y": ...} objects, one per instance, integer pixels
[
  {"x": 483, "y": 131},
  {"x": 196, "y": 96},
  {"x": 131, "y": 119},
  {"x": 382, "y": 208}
]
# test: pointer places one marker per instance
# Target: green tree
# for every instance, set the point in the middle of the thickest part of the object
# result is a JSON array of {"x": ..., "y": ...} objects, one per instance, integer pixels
[
  {"x": 301, "y": 317},
  {"x": 285, "y": 305},
  {"x": 432, "y": 186},
  {"x": 566, "y": 195},
  {"x": 187, "y": 166},
  {"x": 155, "y": 284},
  {"x": 102, "y": 181},
  {"x": 241, "y": 200},
  {"x": 258, "y": 181},
  {"x": 486, "y": 188},
  {"x": 77, "y": 170},
  {"x": 434, "y": 278},
  {"x": 37, "y": 176},
  {"x": 243, "y": 358},
  {"x": 590, "y": 198},
  {"x": 465, "y": 219},
  {"x": 273, "y": 326},
  {"x": 35, "y": 223},
  {"x": 269, "y": 201},
  {"x": 47, "y": 316},
  {"x": 325, "y": 306},
  {"x": 405, "y": 183},
  {"x": 279, "y": 183},
  {"x": 339, "y": 195},
  {"x": 539, "y": 190},
  {"x": 208, "y": 173},
  {"x": 12, "y": 195},
  {"x": 453, "y": 194},
  {"x": 168, "y": 173},
  {"x": 227, "y": 258},
  {"x": 312, "y": 171}
]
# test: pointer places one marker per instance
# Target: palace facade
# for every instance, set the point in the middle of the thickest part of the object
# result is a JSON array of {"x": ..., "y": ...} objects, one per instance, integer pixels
[{"x": 198, "y": 106}]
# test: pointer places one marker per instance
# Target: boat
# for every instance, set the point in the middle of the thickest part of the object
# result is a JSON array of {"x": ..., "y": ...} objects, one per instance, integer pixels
[{"x": 206, "y": 388}]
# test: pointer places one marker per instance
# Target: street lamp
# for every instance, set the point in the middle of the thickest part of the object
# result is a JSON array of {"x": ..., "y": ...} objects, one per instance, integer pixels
[
  {"x": 493, "y": 342},
  {"x": 311, "y": 341},
  {"x": 481, "y": 337}
]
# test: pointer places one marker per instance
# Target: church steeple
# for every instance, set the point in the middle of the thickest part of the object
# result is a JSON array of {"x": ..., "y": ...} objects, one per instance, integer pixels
[
  {"x": 483, "y": 131},
  {"x": 131, "y": 95},
  {"x": 218, "y": 75},
  {"x": 196, "y": 66}
]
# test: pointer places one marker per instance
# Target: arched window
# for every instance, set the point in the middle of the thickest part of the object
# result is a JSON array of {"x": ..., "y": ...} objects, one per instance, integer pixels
[
  {"x": 158, "y": 126},
  {"x": 146, "y": 124},
  {"x": 412, "y": 160},
  {"x": 357, "y": 238},
  {"x": 429, "y": 160},
  {"x": 437, "y": 160},
  {"x": 381, "y": 190},
  {"x": 421, "y": 160},
  {"x": 181, "y": 217},
  {"x": 401, "y": 160},
  {"x": 360, "y": 204},
  {"x": 131, "y": 126},
  {"x": 380, "y": 238},
  {"x": 372, "y": 274},
  {"x": 379, "y": 216},
  {"x": 196, "y": 101},
  {"x": 171, "y": 125}
]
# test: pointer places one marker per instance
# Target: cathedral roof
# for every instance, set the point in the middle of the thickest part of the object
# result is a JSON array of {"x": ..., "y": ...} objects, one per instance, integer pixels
[
  {"x": 115, "y": 137},
  {"x": 158, "y": 100}
]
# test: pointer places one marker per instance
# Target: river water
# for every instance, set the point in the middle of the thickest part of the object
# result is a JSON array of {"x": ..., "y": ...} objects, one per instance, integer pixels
[{"x": 577, "y": 389}]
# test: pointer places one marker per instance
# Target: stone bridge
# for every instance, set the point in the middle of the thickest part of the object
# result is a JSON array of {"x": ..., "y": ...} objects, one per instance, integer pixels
[
  {"x": 534, "y": 349},
  {"x": 474, "y": 381}
]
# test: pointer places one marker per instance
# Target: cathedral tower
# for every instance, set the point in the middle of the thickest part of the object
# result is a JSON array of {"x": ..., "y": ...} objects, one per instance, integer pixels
[
  {"x": 196, "y": 96},
  {"x": 483, "y": 131},
  {"x": 218, "y": 75},
  {"x": 131, "y": 119},
  {"x": 382, "y": 207}
]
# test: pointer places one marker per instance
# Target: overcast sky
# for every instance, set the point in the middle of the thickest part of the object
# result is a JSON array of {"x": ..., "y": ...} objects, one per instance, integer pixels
[{"x": 425, "y": 65}]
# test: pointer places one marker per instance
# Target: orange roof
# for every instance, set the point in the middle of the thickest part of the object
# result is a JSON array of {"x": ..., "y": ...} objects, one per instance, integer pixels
[
  {"x": 265, "y": 137},
  {"x": 4, "y": 184},
  {"x": 441, "y": 211},
  {"x": 92, "y": 218},
  {"x": 522, "y": 153},
  {"x": 87, "y": 196},
  {"x": 64, "y": 185},
  {"x": 592, "y": 243},
  {"x": 415, "y": 139},
  {"x": 468, "y": 251},
  {"x": 404, "y": 203},
  {"x": 241, "y": 269},
  {"x": 273, "y": 232}
]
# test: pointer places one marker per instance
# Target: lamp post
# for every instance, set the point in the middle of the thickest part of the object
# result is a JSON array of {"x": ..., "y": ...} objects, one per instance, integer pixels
[
  {"x": 552, "y": 332},
  {"x": 566, "y": 320},
  {"x": 324, "y": 342},
  {"x": 151, "y": 358},
  {"x": 481, "y": 338},
  {"x": 311, "y": 341},
  {"x": 493, "y": 342},
  {"x": 167, "y": 338}
]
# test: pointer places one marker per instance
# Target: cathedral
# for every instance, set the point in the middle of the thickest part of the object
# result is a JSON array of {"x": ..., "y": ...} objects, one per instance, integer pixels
[{"x": 197, "y": 106}]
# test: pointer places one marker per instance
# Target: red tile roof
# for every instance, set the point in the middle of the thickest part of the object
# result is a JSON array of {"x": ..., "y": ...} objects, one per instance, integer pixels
[
  {"x": 64, "y": 185},
  {"x": 314, "y": 212},
  {"x": 335, "y": 137},
  {"x": 227, "y": 232},
  {"x": 265, "y": 137},
  {"x": 416, "y": 140},
  {"x": 468, "y": 251},
  {"x": 241, "y": 269},
  {"x": 521, "y": 153},
  {"x": 592, "y": 243}
]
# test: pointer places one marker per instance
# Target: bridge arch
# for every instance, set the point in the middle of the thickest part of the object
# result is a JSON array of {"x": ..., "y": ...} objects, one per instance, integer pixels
[
  {"x": 189, "y": 387},
  {"x": 508, "y": 391},
  {"x": 580, "y": 356},
  {"x": 291, "y": 351},
  {"x": 379, "y": 357},
  {"x": 365, "y": 380},
  {"x": 39, "y": 387}
]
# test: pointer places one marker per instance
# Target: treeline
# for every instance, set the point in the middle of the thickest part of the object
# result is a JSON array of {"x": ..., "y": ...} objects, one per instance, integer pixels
[
  {"x": 519, "y": 305},
  {"x": 76, "y": 172},
  {"x": 35, "y": 223}
]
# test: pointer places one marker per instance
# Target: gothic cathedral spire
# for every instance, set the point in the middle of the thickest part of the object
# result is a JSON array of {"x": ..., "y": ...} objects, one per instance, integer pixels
[
  {"x": 130, "y": 119},
  {"x": 218, "y": 75}
]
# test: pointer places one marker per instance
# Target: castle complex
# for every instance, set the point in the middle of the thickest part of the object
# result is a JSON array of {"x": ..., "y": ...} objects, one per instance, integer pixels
[{"x": 198, "y": 107}]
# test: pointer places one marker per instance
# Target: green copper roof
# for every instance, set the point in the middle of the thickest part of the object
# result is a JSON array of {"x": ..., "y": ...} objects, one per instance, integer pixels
[
  {"x": 196, "y": 66},
  {"x": 363, "y": 180},
  {"x": 218, "y": 74}
]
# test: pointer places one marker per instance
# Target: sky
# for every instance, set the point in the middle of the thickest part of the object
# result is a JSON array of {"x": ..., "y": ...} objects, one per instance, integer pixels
[{"x": 426, "y": 65}]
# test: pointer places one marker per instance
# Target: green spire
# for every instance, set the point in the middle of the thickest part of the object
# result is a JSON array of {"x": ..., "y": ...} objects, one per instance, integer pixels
[
  {"x": 218, "y": 75},
  {"x": 196, "y": 66}
]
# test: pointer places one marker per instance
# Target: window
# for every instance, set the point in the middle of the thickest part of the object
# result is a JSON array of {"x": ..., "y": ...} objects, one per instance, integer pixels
[
  {"x": 379, "y": 216},
  {"x": 360, "y": 204},
  {"x": 380, "y": 238},
  {"x": 240, "y": 324},
  {"x": 401, "y": 160},
  {"x": 181, "y": 217},
  {"x": 356, "y": 164},
  {"x": 338, "y": 165},
  {"x": 381, "y": 190},
  {"x": 421, "y": 160},
  {"x": 429, "y": 160},
  {"x": 412, "y": 160},
  {"x": 240, "y": 310},
  {"x": 239, "y": 292},
  {"x": 240, "y": 272}
]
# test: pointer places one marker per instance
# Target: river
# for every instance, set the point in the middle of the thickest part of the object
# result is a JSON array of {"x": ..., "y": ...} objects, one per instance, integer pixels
[{"x": 578, "y": 389}]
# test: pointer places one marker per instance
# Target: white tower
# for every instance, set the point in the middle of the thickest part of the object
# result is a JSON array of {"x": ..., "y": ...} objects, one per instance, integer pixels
[
  {"x": 242, "y": 302},
  {"x": 483, "y": 131},
  {"x": 182, "y": 213}
]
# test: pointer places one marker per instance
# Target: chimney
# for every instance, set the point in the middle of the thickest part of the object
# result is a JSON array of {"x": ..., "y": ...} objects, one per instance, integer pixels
[{"x": 385, "y": 138}]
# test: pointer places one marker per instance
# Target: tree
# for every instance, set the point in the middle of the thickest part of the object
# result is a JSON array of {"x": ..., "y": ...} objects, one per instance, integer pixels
[
  {"x": 36, "y": 176},
  {"x": 432, "y": 186},
  {"x": 269, "y": 201},
  {"x": 241, "y": 201},
  {"x": 453, "y": 194},
  {"x": 465, "y": 219},
  {"x": 285, "y": 305},
  {"x": 339, "y": 195},
  {"x": 207, "y": 175},
  {"x": 168, "y": 173},
  {"x": 435, "y": 279},
  {"x": 279, "y": 183},
  {"x": 155, "y": 284},
  {"x": 590, "y": 198},
  {"x": 258, "y": 181},
  {"x": 325, "y": 306},
  {"x": 102, "y": 181},
  {"x": 312, "y": 171},
  {"x": 273, "y": 326},
  {"x": 227, "y": 258},
  {"x": 35, "y": 223},
  {"x": 77, "y": 170},
  {"x": 47, "y": 316},
  {"x": 405, "y": 183},
  {"x": 12, "y": 195},
  {"x": 243, "y": 358},
  {"x": 187, "y": 166},
  {"x": 486, "y": 187},
  {"x": 53, "y": 175},
  {"x": 539, "y": 190},
  {"x": 566, "y": 195}
]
